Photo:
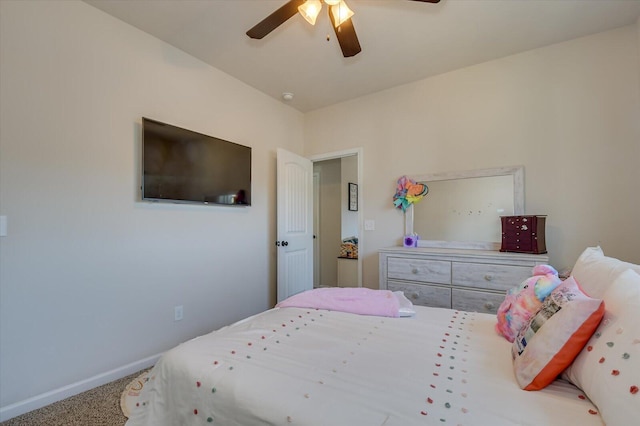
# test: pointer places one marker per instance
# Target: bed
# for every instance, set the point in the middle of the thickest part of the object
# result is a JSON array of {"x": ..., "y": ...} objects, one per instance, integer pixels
[{"x": 313, "y": 366}]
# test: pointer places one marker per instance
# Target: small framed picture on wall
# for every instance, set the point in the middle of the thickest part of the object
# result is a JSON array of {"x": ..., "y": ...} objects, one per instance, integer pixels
[{"x": 353, "y": 197}]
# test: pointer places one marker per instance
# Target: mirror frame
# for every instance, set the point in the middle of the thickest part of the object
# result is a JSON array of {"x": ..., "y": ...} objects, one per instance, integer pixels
[{"x": 517, "y": 172}]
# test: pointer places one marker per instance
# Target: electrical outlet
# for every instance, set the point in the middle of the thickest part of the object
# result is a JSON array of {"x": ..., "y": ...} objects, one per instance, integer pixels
[
  {"x": 178, "y": 313},
  {"x": 369, "y": 225}
]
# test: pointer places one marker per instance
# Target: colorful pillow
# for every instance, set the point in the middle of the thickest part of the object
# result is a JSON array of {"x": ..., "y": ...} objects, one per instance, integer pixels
[
  {"x": 524, "y": 300},
  {"x": 555, "y": 335},
  {"x": 595, "y": 271},
  {"x": 608, "y": 368}
]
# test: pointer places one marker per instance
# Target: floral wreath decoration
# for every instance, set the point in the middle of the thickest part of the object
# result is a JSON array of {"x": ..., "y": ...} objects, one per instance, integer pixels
[{"x": 408, "y": 192}]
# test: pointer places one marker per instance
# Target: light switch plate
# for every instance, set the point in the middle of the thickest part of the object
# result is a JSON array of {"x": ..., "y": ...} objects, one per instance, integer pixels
[{"x": 3, "y": 226}]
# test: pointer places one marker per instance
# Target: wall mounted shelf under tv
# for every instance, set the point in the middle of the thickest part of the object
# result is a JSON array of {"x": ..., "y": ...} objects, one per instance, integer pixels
[{"x": 183, "y": 166}]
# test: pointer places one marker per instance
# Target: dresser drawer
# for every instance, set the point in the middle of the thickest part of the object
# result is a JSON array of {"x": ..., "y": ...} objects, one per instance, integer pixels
[
  {"x": 424, "y": 295},
  {"x": 476, "y": 301},
  {"x": 423, "y": 270},
  {"x": 489, "y": 276}
]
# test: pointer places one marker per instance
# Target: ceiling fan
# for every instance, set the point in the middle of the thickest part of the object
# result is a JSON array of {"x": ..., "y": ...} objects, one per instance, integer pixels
[{"x": 339, "y": 13}]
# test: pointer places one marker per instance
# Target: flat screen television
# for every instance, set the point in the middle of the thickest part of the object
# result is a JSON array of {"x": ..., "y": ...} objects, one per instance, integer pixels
[{"x": 182, "y": 166}]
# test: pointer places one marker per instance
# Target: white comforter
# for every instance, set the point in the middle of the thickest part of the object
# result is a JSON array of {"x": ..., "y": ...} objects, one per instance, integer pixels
[{"x": 291, "y": 366}]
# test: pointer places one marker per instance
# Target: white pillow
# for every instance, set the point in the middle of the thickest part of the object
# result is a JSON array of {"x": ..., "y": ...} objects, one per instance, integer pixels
[
  {"x": 608, "y": 368},
  {"x": 595, "y": 272}
]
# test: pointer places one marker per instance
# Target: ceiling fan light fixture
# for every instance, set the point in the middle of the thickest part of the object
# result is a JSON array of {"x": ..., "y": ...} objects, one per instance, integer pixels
[
  {"x": 341, "y": 13},
  {"x": 310, "y": 10}
]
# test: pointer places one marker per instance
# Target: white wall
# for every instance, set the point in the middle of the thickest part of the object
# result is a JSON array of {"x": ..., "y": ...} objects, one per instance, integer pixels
[
  {"x": 330, "y": 214},
  {"x": 89, "y": 275},
  {"x": 570, "y": 113},
  {"x": 348, "y": 174}
]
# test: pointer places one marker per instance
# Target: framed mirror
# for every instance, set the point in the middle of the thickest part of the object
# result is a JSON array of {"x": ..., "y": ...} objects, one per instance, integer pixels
[{"x": 463, "y": 209}]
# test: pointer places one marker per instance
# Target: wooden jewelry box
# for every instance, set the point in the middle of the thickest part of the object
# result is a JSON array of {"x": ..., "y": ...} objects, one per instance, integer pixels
[{"x": 523, "y": 234}]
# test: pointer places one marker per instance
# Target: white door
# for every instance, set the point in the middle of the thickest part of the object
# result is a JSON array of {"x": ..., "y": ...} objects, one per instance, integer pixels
[{"x": 294, "y": 239}]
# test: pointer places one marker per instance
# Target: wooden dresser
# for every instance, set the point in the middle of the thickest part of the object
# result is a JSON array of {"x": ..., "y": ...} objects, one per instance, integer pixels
[{"x": 469, "y": 280}]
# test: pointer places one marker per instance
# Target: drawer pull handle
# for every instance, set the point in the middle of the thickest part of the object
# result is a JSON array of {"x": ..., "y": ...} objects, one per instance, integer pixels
[
  {"x": 414, "y": 296},
  {"x": 488, "y": 306},
  {"x": 488, "y": 278},
  {"x": 414, "y": 271}
]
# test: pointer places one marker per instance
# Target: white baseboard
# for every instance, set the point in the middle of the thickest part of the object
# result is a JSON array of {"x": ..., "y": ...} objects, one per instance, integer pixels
[{"x": 39, "y": 401}]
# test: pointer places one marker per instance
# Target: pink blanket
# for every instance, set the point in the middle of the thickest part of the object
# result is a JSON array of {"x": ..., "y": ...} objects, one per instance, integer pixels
[{"x": 361, "y": 301}]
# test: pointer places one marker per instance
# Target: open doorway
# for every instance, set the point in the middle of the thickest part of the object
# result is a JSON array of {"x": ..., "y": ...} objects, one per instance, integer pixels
[{"x": 338, "y": 218}]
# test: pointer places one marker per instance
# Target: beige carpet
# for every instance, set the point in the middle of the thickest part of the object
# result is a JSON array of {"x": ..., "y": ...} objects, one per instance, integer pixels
[{"x": 96, "y": 407}]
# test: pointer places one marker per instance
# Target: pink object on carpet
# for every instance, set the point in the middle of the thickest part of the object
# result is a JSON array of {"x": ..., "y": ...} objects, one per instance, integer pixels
[{"x": 362, "y": 301}]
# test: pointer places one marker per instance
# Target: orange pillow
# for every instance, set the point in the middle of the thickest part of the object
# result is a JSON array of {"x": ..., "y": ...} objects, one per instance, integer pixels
[{"x": 555, "y": 335}]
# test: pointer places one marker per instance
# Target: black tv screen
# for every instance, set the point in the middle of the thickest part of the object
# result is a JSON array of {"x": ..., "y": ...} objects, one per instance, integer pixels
[{"x": 182, "y": 166}]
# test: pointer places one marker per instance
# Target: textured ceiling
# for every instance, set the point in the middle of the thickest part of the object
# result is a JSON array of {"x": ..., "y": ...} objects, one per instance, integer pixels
[{"x": 402, "y": 41}]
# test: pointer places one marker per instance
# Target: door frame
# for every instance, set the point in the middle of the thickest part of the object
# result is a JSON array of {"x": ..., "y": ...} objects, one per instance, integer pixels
[
  {"x": 316, "y": 229},
  {"x": 358, "y": 152}
]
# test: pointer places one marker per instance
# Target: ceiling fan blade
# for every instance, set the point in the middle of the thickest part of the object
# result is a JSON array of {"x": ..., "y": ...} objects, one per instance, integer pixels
[
  {"x": 347, "y": 38},
  {"x": 274, "y": 20}
]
